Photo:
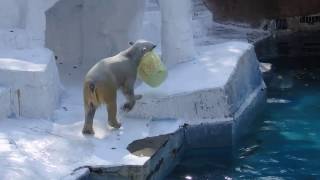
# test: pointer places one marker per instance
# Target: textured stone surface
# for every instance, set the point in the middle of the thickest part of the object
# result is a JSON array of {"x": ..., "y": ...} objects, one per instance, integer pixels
[
  {"x": 32, "y": 75},
  {"x": 83, "y": 32}
]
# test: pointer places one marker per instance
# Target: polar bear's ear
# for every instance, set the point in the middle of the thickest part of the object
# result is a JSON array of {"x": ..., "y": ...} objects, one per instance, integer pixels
[{"x": 131, "y": 43}]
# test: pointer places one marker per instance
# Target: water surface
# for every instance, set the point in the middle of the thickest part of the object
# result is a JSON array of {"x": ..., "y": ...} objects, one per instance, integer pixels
[{"x": 285, "y": 143}]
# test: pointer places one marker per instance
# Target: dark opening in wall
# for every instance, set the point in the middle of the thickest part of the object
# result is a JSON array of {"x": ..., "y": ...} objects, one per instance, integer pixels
[
  {"x": 291, "y": 47},
  {"x": 281, "y": 24}
]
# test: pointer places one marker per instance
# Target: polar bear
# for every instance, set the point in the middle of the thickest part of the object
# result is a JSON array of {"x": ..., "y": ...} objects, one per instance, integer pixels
[{"x": 107, "y": 76}]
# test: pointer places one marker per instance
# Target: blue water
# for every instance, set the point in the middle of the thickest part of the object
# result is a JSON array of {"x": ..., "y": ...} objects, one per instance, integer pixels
[{"x": 285, "y": 144}]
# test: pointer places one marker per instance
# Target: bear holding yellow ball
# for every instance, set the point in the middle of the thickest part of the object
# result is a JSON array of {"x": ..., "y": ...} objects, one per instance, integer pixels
[{"x": 120, "y": 72}]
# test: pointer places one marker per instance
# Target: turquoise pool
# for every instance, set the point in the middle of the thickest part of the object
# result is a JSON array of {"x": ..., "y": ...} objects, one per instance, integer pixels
[{"x": 285, "y": 143}]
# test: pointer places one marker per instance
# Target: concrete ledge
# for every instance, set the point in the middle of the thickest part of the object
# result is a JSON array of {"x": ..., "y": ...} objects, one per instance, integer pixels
[
  {"x": 157, "y": 167},
  {"x": 244, "y": 117},
  {"x": 211, "y": 88},
  {"x": 33, "y": 74}
]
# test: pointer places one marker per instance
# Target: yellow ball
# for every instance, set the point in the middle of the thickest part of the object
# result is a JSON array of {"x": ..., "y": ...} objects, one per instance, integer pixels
[{"x": 151, "y": 69}]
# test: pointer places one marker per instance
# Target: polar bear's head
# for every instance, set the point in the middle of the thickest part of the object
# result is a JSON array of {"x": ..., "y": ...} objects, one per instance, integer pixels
[{"x": 141, "y": 47}]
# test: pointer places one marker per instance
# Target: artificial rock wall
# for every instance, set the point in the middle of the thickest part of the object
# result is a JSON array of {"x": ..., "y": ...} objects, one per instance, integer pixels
[
  {"x": 28, "y": 69},
  {"x": 83, "y": 32}
]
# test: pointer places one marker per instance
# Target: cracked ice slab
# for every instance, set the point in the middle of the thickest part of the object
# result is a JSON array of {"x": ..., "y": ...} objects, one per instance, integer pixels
[{"x": 33, "y": 76}]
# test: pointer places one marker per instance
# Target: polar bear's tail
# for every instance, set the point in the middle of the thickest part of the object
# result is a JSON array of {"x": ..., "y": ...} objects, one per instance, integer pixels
[{"x": 90, "y": 94}]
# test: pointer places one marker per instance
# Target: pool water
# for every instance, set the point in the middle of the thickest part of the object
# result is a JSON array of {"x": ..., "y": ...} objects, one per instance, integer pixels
[{"x": 285, "y": 144}]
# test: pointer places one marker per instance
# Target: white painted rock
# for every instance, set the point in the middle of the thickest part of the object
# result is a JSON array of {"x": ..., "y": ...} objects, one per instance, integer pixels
[{"x": 33, "y": 76}]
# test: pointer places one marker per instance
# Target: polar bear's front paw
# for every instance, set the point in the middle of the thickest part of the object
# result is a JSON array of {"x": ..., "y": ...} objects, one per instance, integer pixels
[{"x": 128, "y": 106}]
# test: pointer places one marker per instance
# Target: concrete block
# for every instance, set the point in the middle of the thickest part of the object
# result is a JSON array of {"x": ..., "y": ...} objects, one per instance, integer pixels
[
  {"x": 210, "y": 88},
  {"x": 33, "y": 76}
]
